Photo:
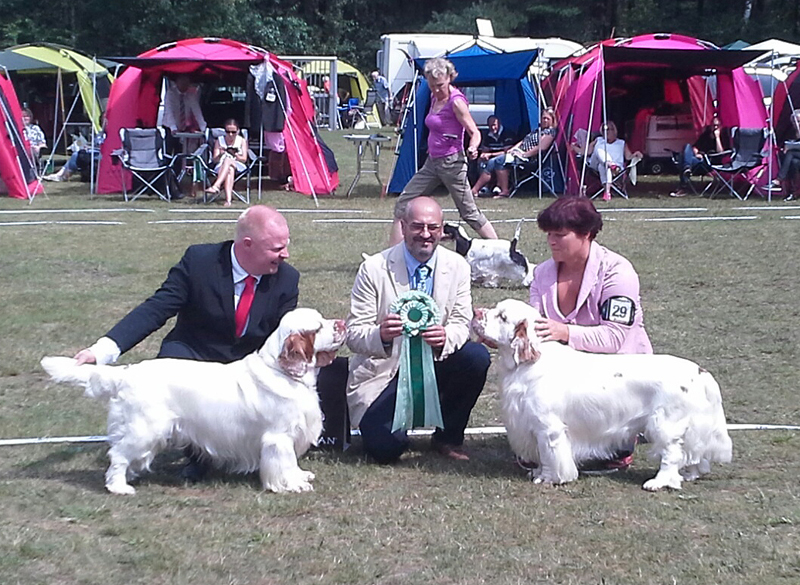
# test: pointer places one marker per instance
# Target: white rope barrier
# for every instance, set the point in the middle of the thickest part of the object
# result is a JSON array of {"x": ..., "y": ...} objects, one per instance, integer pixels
[
  {"x": 73, "y": 222},
  {"x": 475, "y": 431},
  {"x": 113, "y": 210}
]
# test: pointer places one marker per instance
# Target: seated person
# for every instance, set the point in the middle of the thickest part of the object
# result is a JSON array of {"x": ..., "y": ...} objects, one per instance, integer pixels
[
  {"x": 33, "y": 134},
  {"x": 712, "y": 140},
  {"x": 495, "y": 140},
  {"x": 790, "y": 161},
  {"x": 230, "y": 156},
  {"x": 374, "y": 336},
  {"x": 529, "y": 147},
  {"x": 608, "y": 155},
  {"x": 81, "y": 158}
]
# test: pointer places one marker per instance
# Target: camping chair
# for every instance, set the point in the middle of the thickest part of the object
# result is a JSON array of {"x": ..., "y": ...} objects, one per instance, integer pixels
[
  {"x": 700, "y": 170},
  {"x": 205, "y": 156},
  {"x": 745, "y": 155},
  {"x": 619, "y": 182},
  {"x": 143, "y": 154},
  {"x": 349, "y": 112},
  {"x": 359, "y": 112},
  {"x": 546, "y": 172}
]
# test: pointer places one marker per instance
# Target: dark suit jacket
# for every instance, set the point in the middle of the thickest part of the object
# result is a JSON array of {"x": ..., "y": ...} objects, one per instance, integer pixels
[{"x": 199, "y": 290}]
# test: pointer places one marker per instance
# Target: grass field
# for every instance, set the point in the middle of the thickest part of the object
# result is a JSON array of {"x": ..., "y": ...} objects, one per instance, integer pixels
[{"x": 721, "y": 292}]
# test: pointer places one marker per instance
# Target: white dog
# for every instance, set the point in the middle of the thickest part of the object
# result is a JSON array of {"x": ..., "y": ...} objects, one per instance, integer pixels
[
  {"x": 492, "y": 261},
  {"x": 261, "y": 412},
  {"x": 563, "y": 406}
]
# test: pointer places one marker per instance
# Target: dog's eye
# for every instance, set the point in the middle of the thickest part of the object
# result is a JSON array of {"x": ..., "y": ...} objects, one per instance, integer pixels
[{"x": 503, "y": 318}]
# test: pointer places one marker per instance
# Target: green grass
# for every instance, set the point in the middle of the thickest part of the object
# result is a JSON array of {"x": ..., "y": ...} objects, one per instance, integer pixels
[{"x": 718, "y": 292}]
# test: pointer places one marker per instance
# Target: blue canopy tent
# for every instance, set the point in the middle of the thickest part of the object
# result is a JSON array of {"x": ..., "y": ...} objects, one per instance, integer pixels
[{"x": 478, "y": 66}]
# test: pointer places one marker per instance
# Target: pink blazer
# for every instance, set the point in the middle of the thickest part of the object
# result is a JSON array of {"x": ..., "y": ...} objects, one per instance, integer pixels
[{"x": 608, "y": 315}]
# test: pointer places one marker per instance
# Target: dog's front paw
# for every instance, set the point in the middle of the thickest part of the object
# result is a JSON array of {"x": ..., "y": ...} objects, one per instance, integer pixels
[
  {"x": 295, "y": 482},
  {"x": 656, "y": 484},
  {"x": 120, "y": 488}
]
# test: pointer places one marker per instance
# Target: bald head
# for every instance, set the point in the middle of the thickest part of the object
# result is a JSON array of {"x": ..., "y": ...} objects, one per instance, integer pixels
[
  {"x": 422, "y": 227},
  {"x": 422, "y": 205},
  {"x": 257, "y": 219},
  {"x": 262, "y": 240}
]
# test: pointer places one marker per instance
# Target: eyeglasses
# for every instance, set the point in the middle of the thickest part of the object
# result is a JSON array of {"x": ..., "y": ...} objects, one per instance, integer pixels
[{"x": 419, "y": 227}]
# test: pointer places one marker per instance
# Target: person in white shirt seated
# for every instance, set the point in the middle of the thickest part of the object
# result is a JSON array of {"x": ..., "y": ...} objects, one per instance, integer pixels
[{"x": 608, "y": 155}]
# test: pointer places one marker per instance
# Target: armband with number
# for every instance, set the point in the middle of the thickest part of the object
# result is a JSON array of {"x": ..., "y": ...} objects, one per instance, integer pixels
[{"x": 619, "y": 310}]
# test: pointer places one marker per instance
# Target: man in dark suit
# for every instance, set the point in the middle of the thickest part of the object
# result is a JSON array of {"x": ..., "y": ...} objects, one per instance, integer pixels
[{"x": 203, "y": 291}]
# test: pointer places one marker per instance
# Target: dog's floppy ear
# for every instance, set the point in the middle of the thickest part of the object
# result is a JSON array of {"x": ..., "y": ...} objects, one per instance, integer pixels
[
  {"x": 297, "y": 353},
  {"x": 524, "y": 350}
]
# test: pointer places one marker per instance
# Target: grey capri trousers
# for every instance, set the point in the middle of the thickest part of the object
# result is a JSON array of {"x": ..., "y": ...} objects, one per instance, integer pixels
[{"x": 450, "y": 170}]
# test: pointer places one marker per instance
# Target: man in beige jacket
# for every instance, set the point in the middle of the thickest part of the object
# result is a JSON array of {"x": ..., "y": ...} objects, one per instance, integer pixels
[{"x": 374, "y": 336}]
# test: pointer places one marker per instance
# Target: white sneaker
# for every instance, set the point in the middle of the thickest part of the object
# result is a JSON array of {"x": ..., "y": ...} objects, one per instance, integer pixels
[{"x": 57, "y": 177}]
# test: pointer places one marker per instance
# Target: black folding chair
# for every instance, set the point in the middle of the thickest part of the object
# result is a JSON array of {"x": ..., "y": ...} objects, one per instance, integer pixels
[
  {"x": 143, "y": 153},
  {"x": 549, "y": 171},
  {"x": 205, "y": 156},
  {"x": 745, "y": 155}
]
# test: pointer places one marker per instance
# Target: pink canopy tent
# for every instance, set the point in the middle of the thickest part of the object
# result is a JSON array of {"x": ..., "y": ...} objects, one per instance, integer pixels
[
  {"x": 786, "y": 99},
  {"x": 17, "y": 170},
  {"x": 620, "y": 79},
  {"x": 135, "y": 97}
]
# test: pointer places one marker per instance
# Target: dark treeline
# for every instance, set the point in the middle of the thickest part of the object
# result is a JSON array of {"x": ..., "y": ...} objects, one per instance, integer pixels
[{"x": 352, "y": 28}]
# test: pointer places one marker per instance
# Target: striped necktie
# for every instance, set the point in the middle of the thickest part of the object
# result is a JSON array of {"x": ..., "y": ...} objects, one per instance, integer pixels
[{"x": 421, "y": 275}]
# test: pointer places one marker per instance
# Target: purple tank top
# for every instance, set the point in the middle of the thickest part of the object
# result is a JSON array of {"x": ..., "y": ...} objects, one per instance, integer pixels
[{"x": 445, "y": 132}]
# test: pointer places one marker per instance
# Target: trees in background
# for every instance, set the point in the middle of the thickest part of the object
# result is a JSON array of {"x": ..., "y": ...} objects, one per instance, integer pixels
[{"x": 351, "y": 29}]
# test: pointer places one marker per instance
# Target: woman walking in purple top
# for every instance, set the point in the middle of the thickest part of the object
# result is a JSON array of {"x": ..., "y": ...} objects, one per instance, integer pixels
[{"x": 446, "y": 121}]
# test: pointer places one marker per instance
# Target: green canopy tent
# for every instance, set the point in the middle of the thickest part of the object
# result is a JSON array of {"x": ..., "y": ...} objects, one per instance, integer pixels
[
  {"x": 349, "y": 79},
  {"x": 27, "y": 63}
]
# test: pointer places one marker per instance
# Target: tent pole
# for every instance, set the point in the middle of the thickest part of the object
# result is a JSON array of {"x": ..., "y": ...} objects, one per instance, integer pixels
[
  {"x": 772, "y": 141},
  {"x": 539, "y": 148},
  {"x": 589, "y": 130},
  {"x": 55, "y": 111},
  {"x": 260, "y": 157},
  {"x": 91, "y": 144},
  {"x": 605, "y": 109},
  {"x": 297, "y": 145}
]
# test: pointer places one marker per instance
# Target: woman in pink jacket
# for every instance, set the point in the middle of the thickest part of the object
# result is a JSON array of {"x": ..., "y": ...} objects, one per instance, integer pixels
[{"x": 587, "y": 295}]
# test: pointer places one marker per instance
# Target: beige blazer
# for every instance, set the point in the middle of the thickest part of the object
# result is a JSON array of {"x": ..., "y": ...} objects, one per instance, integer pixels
[{"x": 380, "y": 280}]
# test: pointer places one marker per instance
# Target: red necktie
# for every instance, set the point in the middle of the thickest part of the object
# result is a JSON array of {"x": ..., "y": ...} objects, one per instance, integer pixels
[{"x": 245, "y": 301}]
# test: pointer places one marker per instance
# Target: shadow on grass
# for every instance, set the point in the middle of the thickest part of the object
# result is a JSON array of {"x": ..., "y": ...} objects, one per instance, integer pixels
[{"x": 490, "y": 458}]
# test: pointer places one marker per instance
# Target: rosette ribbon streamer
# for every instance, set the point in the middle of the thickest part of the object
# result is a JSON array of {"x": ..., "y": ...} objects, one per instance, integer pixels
[{"x": 417, "y": 403}]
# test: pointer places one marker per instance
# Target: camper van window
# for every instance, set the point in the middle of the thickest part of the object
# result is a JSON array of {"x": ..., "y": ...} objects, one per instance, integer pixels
[{"x": 479, "y": 95}]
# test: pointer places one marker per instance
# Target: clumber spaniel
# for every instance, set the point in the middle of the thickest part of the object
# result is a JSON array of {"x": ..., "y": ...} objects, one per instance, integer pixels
[
  {"x": 492, "y": 261},
  {"x": 563, "y": 406},
  {"x": 261, "y": 412}
]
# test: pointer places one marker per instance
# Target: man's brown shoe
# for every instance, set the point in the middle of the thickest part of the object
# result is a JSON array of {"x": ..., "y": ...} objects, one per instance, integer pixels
[{"x": 454, "y": 452}]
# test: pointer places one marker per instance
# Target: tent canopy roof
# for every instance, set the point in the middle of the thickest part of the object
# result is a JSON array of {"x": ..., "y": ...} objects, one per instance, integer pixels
[
  {"x": 199, "y": 57},
  {"x": 477, "y": 64},
  {"x": 698, "y": 63},
  {"x": 48, "y": 58}
]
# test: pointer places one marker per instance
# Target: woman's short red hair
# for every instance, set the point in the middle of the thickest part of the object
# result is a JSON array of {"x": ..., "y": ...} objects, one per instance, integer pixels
[{"x": 577, "y": 214}]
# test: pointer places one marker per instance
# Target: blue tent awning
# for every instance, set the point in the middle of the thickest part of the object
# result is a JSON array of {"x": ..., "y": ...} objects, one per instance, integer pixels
[
  {"x": 476, "y": 64},
  {"x": 515, "y": 101}
]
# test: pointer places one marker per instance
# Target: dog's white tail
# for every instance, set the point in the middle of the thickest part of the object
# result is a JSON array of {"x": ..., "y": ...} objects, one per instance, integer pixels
[
  {"x": 95, "y": 379},
  {"x": 518, "y": 231}
]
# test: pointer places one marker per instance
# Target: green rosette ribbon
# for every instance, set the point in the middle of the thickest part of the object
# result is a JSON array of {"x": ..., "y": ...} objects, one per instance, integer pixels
[{"x": 417, "y": 403}]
